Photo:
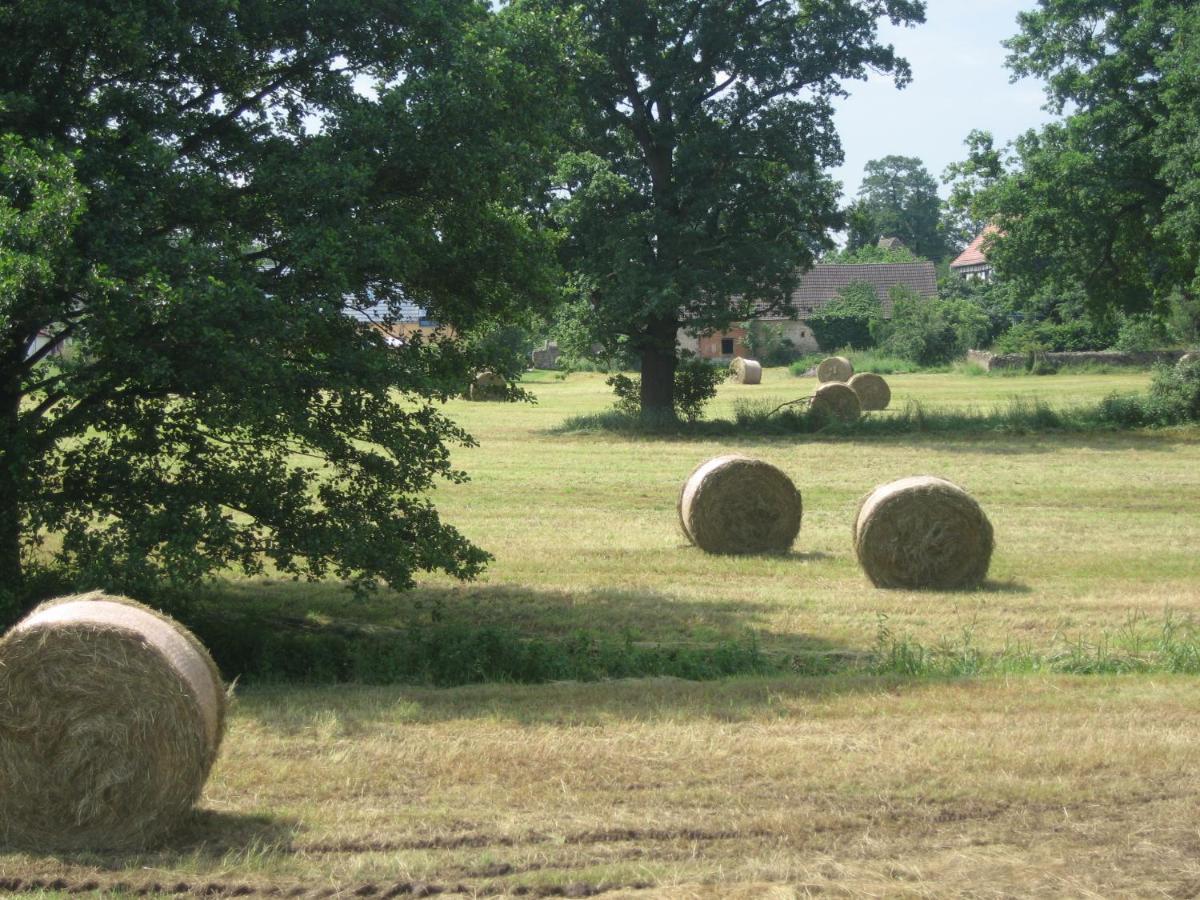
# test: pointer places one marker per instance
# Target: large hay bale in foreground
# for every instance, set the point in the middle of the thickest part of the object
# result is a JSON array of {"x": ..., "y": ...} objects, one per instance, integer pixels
[
  {"x": 922, "y": 532},
  {"x": 873, "y": 392},
  {"x": 746, "y": 371},
  {"x": 111, "y": 716},
  {"x": 835, "y": 368},
  {"x": 487, "y": 386},
  {"x": 837, "y": 402},
  {"x": 734, "y": 504}
]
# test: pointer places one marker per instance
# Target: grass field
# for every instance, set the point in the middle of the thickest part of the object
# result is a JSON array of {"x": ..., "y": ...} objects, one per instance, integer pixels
[{"x": 847, "y": 784}]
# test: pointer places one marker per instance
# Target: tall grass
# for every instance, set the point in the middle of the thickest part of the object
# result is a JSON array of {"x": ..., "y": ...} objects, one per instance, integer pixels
[
  {"x": 867, "y": 361},
  {"x": 1170, "y": 646},
  {"x": 1018, "y": 416}
]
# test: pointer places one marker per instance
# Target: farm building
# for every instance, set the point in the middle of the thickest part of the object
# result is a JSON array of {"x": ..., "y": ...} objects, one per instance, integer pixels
[
  {"x": 817, "y": 287},
  {"x": 972, "y": 263},
  {"x": 409, "y": 319}
]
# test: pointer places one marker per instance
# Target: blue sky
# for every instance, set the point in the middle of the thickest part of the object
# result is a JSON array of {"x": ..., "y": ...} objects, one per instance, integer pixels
[{"x": 959, "y": 83}]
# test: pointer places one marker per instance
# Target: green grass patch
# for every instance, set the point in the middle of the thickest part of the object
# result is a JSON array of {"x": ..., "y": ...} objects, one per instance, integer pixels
[
  {"x": 867, "y": 361},
  {"x": 256, "y": 649},
  {"x": 1018, "y": 416}
]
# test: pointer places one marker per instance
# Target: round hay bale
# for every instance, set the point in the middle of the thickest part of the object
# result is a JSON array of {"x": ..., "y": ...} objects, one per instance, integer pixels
[
  {"x": 487, "y": 386},
  {"x": 746, "y": 371},
  {"x": 836, "y": 402},
  {"x": 873, "y": 392},
  {"x": 734, "y": 504},
  {"x": 922, "y": 532},
  {"x": 835, "y": 368},
  {"x": 110, "y": 720}
]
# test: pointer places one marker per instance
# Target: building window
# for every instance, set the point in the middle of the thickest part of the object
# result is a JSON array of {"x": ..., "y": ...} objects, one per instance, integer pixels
[{"x": 727, "y": 346}]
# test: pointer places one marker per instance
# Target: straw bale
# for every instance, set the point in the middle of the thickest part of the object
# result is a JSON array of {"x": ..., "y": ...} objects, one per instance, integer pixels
[
  {"x": 746, "y": 371},
  {"x": 110, "y": 719},
  {"x": 835, "y": 368},
  {"x": 873, "y": 392},
  {"x": 734, "y": 504},
  {"x": 836, "y": 401},
  {"x": 922, "y": 532},
  {"x": 487, "y": 386}
]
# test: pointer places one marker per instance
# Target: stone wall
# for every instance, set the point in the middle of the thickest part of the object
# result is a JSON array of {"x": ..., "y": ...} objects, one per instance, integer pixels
[{"x": 1141, "y": 360}]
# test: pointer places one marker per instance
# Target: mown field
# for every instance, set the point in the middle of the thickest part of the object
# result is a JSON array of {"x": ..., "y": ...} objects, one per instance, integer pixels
[{"x": 1015, "y": 783}]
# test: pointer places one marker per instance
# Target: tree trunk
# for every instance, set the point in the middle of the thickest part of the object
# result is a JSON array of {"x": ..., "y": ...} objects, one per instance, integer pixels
[{"x": 658, "y": 374}]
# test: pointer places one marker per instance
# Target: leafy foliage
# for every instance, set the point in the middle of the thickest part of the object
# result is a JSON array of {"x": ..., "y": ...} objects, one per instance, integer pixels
[
  {"x": 696, "y": 187},
  {"x": 847, "y": 320},
  {"x": 1105, "y": 199},
  {"x": 929, "y": 331},
  {"x": 870, "y": 253},
  {"x": 194, "y": 195},
  {"x": 898, "y": 198},
  {"x": 696, "y": 382},
  {"x": 768, "y": 344}
]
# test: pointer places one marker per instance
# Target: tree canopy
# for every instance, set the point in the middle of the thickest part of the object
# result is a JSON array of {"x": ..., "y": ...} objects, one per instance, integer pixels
[
  {"x": 898, "y": 198},
  {"x": 1106, "y": 198},
  {"x": 697, "y": 184},
  {"x": 193, "y": 196}
]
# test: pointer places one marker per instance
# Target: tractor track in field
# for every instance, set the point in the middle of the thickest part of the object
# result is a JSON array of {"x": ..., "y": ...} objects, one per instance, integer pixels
[
  {"x": 372, "y": 890},
  {"x": 472, "y": 841}
]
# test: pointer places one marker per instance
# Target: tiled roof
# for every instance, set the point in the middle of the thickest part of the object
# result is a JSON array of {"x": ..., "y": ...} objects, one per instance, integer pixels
[
  {"x": 821, "y": 284},
  {"x": 974, "y": 255}
]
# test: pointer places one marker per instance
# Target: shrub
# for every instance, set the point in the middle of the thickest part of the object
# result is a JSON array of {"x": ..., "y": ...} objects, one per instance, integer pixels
[
  {"x": 930, "y": 331},
  {"x": 1174, "y": 399},
  {"x": 768, "y": 344},
  {"x": 696, "y": 382},
  {"x": 846, "y": 320}
]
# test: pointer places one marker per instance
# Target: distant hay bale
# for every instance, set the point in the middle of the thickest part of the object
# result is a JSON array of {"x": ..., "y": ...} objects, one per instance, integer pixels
[
  {"x": 746, "y": 371},
  {"x": 922, "y": 532},
  {"x": 835, "y": 368},
  {"x": 110, "y": 720},
  {"x": 487, "y": 386},
  {"x": 836, "y": 402},
  {"x": 873, "y": 392},
  {"x": 734, "y": 504}
]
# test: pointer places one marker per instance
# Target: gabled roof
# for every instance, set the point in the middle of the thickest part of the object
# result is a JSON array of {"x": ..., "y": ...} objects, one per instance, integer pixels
[
  {"x": 974, "y": 255},
  {"x": 822, "y": 283}
]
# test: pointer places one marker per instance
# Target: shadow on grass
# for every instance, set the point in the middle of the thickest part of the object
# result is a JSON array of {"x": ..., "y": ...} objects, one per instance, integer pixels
[
  {"x": 1010, "y": 428},
  {"x": 206, "y": 836},
  {"x": 447, "y": 636}
]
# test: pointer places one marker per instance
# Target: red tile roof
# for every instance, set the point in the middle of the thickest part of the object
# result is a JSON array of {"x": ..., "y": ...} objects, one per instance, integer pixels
[
  {"x": 822, "y": 283},
  {"x": 974, "y": 255}
]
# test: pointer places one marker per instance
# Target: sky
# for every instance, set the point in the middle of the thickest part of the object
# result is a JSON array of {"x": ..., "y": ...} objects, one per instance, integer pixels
[{"x": 959, "y": 83}]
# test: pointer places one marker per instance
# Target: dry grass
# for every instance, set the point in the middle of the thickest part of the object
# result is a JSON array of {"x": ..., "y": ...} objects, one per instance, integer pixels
[
  {"x": 877, "y": 787},
  {"x": 853, "y": 787}
]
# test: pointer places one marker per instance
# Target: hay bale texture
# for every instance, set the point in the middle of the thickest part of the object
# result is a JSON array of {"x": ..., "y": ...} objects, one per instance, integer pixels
[
  {"x": 922, "y": 532},
  {"x": 837, "y": 402},
  {"x": 835, "y": 368},
  {"x": 734, "y": 504},
  {"x": 487, "y": 386},
  {"x": 873, "y": 392},
  {"x": 746, "y": 371},
  {"x": 111, "y": 716}
]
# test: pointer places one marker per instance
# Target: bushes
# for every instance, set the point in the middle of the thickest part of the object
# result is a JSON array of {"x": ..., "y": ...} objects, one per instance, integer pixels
[
  {"x": 768, "y": 344},
  {"x": 1174, "y": 399},
  {"x": 848, "y": 319},
  {"x": 929, "y": 331},
  {"x": 696, "y": 382}
]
